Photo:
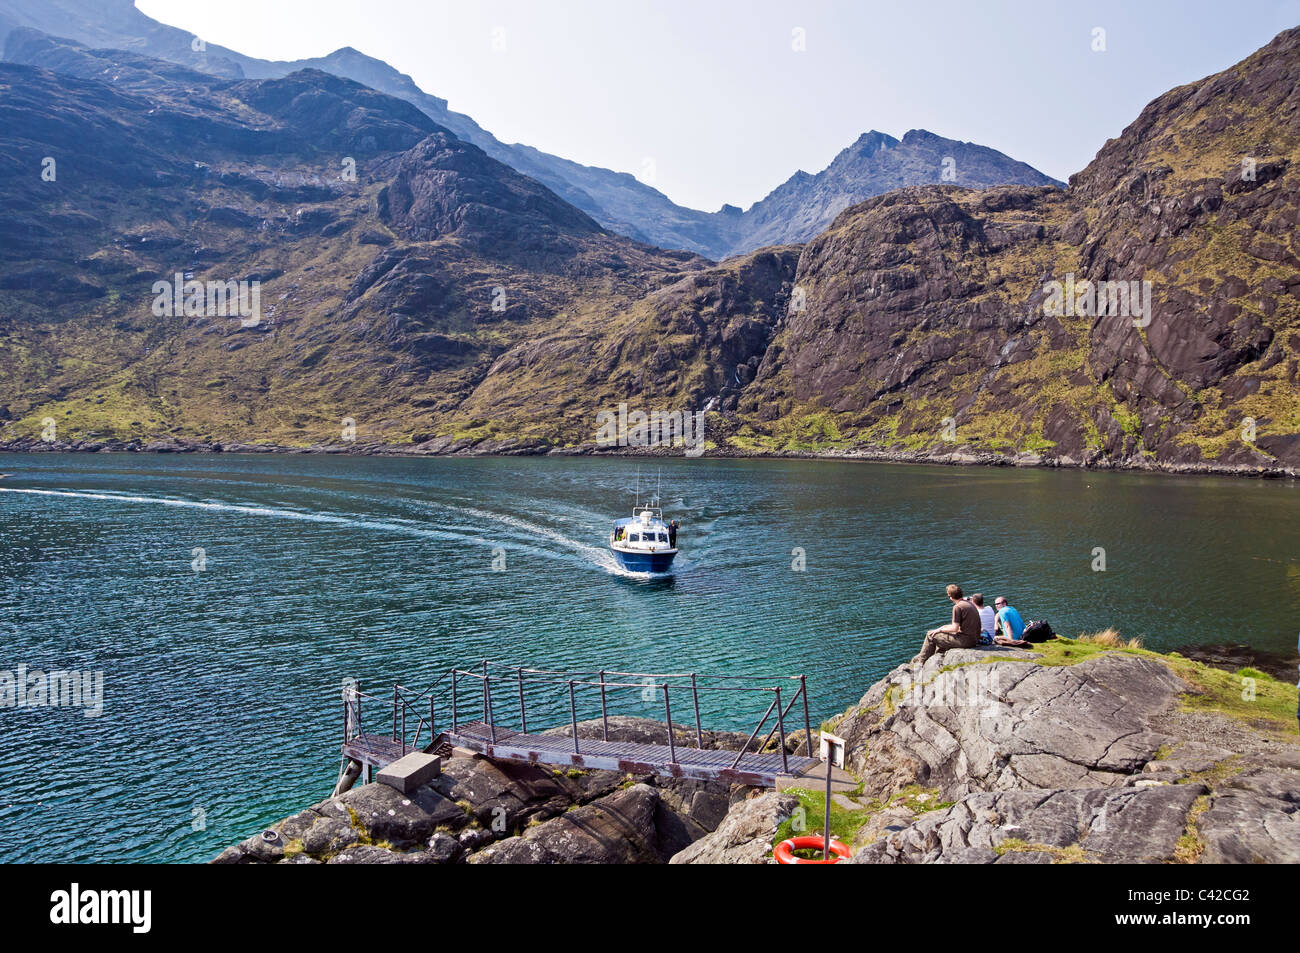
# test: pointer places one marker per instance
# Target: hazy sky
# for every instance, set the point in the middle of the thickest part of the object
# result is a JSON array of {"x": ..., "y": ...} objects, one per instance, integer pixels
[{"x": 714, "y": 98}]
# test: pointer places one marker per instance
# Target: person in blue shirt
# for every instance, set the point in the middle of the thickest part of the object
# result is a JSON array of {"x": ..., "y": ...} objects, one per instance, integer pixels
[{"x": 1009, "y": 624}]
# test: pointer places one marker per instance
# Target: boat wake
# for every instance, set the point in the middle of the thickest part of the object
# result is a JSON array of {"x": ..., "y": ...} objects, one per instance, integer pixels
[
  {"x": 523, "y": 535},
  {"x": 594, "y": 555}
]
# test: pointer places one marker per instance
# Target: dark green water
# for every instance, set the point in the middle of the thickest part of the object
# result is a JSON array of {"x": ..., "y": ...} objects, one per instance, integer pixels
[{"x": 221, "y": 686}]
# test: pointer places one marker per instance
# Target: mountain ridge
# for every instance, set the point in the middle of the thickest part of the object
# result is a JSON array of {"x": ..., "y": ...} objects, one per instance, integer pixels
[
  {"x": 618, "y": 200},
  {"x": 805, "y": 204},
  {"x": 444, "y": 302}
]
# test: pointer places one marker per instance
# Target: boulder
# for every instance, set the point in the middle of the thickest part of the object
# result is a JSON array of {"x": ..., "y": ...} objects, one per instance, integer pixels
[
  {"x": 618, "y": 828},
  {"x": 989, "y": 724},
  {"x": 745, "y": 836},
  {"x": 1132, "y": 825},
  {"x": 1255, "y": 819}
]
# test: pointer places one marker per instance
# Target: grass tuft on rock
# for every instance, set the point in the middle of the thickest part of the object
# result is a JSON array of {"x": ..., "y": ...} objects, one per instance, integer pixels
[{"x": 1191, "y": 846}]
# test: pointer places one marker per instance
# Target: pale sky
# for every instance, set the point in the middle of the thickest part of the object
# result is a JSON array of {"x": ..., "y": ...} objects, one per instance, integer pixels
[{"x": 716, "y": 94}]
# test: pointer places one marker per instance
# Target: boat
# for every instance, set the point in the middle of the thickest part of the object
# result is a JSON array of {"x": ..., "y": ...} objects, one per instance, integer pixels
[{"x": 643, "y": 542}]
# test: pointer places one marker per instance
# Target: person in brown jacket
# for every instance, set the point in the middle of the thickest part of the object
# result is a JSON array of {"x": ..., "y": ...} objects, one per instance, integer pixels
[{"x": 963, "y": 632}]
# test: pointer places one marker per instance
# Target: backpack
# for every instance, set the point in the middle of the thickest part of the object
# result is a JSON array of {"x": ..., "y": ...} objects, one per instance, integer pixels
[{"x": 1038, "y": 631}]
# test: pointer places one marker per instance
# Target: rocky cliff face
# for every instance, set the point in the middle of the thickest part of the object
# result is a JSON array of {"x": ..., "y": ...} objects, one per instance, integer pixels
[
  {"x": 938, "y": 319},
  {"x": 1074, "y": 754},
  {"x": 1114, "y": 759}
]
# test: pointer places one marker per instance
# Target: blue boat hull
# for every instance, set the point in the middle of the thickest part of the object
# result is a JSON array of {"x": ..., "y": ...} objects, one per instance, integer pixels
[{"x": 644, "y": 562}]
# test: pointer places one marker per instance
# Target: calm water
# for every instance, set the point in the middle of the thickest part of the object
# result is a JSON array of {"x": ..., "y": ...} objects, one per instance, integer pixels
[{"x": 221, "y": 686}]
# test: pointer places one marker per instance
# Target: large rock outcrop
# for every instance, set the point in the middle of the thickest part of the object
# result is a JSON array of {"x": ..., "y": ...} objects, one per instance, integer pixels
[
  {"x": 1099, "y": 761},
  {"x": 481, "y": 811},
  {"x": 1132, "y": 826},
  {"x": 993, "y": 725},
  {"x": 619, "y": 828}
]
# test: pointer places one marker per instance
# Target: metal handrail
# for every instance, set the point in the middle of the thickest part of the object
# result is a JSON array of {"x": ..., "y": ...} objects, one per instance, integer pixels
[
  {"x": 404, "y": 699},
  {"x": 543, "y": 671},
  {"x": 609, "y": 684},
  {"x": 571, "y": 684}
]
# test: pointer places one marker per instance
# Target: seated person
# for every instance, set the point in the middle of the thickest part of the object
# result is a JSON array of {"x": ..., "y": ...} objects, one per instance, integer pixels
[
  {"x": 1010, "y": 627},
  {"x": 963, "y": 632},
  {"x": 988, "y": 623}
]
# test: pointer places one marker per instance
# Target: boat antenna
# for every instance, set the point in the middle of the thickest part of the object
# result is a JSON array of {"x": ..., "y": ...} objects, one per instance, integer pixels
[
  {"x": 658, "y": 487},
  {"x": 638, "y": 486}
]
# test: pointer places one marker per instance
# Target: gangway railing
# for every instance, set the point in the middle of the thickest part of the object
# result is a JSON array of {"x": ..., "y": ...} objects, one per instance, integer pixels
[{"x": 494, "y": 681}]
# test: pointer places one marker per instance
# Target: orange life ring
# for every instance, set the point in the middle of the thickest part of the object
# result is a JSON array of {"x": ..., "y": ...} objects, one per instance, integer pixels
[{"x": 784, "y": 852}]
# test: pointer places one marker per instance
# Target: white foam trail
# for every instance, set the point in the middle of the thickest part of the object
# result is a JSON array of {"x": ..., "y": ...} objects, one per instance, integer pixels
[
  {"x": 594, "y": 555},
  {"x": 599, "y": 557},
  {"x": 274, "y": 512}
]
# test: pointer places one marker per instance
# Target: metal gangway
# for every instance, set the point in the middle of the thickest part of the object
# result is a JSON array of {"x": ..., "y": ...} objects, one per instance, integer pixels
[{"x": 486, "y": 710}]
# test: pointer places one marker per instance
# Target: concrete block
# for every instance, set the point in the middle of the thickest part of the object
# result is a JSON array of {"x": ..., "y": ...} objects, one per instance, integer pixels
[
  {"x": 814, "y": 778},
  {"x": 409, "y": 772}
]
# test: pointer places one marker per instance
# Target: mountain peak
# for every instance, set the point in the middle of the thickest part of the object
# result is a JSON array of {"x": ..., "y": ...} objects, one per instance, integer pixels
[
  {"x": 869, "y": 143},
  {"x": 923, "y": 135},
  {"x": 876, "y": 162},
  {"x": 446, "y": 186}
]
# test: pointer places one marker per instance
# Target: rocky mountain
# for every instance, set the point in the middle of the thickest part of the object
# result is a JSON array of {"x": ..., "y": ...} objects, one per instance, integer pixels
[
  {"x": 394, "y": 261},
  {"x": 444, "y": 302},
  {"x": 617, "y": 200},
  {"x": 805, "y": 205},
  {"x": 935, "y": 318}
]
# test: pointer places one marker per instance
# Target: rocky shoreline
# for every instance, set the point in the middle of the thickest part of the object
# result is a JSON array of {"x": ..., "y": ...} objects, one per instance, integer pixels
[
  {"x": 1084, "y": 751},
  {"x": 449, "y": 447}
]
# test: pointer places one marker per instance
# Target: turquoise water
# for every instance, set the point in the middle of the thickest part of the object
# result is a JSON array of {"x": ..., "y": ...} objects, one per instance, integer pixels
[{"x": 221, "y": 702}]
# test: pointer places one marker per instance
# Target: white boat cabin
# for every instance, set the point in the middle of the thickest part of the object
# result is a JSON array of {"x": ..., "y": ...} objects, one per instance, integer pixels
[{"x": 644, "y": 532}]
